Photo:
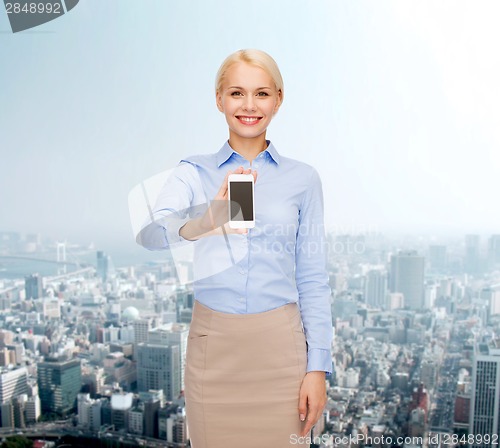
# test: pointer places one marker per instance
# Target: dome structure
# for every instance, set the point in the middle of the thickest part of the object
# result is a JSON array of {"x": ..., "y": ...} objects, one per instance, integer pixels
[{"x": 131, "y": 313}]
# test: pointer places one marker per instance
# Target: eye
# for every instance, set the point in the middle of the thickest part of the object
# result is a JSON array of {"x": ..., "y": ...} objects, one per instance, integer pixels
[
  {"x": 236, "y": 93},
  {"x": 263, "y": 94}
]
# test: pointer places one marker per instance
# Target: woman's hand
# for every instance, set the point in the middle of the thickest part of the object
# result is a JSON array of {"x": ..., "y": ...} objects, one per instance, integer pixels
[
  {"x": 217, "y": 214},
  {"x": 312, "y": 399}
]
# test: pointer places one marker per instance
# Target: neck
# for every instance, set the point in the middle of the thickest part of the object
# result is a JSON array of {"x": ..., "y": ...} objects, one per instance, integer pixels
[{"x": 249, "y": 148}]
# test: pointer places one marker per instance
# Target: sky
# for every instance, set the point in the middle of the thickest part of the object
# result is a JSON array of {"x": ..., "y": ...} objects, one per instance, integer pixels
[{"x": 396, "y": 104}]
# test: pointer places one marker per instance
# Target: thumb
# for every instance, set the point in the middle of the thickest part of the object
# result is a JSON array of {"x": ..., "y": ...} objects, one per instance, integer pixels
[{"x": 302, "y": 406}]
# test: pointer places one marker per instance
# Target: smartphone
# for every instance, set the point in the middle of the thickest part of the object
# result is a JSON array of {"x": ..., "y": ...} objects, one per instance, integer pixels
[{"x": 241, "y": 201}]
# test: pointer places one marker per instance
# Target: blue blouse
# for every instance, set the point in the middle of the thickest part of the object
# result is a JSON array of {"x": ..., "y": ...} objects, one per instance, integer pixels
[{"x": 281, "y": 260}]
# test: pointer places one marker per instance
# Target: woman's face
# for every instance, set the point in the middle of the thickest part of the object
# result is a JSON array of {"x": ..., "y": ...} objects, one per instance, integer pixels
[{"x": 249, "y": 99}]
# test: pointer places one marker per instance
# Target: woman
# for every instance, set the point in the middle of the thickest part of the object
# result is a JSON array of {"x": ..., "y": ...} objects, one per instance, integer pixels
[{"x": 259, "y": 342}]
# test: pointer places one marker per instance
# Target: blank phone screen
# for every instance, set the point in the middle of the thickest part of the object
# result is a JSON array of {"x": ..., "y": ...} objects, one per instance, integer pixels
[{"x": 241, "y": 197}]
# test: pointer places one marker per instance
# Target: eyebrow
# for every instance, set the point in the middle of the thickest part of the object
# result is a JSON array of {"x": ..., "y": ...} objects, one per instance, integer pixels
[{"x": 258, "y": 88}]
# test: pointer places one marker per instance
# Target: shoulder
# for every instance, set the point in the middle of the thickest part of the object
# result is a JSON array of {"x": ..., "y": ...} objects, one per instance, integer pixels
[
  {"x": 200, "y": 160},
  {"x": 301, "y": 170},
  {"x": 189, "y": 168}
]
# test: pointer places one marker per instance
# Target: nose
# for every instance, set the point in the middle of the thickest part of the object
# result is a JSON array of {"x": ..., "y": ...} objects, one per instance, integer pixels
[{"x": 249, "y": 104}]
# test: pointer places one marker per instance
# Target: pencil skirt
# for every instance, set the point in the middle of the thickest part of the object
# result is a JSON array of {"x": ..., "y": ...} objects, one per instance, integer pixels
[{"x": 243, "y": 376}]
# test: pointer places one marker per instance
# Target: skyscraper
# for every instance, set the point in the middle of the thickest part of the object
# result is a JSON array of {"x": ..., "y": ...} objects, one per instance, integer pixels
[
  {"x": 485, "y": 400},
  {"x": 376, "y": 288},
  {"x": 105, "y": 267},
  {"x": 33, "y": 286},
  {"x": 59, "y": 383},
  {"x": 472, "y": 261},
  {"x": 494, "y": 250},
  {"x": 142, "y": 328},
  {"x": 437, "y": 258},
  {"x": 158, "y": 367},
  {"x": 172, "y": 334},
  {"x": 13, "y": 383},
  {"x": 407, "y": 277}
]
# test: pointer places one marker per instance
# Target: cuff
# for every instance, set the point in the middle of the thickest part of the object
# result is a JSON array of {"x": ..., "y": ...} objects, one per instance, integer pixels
[
  {"x": 172, "y": 225},
  {"x": 319, "y": 359}
]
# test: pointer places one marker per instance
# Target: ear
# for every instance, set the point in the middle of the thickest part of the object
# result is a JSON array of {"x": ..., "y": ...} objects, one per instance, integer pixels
[
  {"x": 278, "y": 103},
  {"x": 218, "y": 100}
]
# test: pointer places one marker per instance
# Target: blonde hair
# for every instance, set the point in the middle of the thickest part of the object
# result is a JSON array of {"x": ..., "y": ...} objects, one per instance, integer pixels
[{"x": 254, "y": 57}]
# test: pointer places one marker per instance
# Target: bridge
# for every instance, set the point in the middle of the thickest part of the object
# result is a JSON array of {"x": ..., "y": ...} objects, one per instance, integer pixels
[{"x": 42, "y": 260}]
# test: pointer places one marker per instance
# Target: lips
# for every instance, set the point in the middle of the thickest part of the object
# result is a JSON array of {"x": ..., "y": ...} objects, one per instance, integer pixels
[{"x": 249, "y": 121}]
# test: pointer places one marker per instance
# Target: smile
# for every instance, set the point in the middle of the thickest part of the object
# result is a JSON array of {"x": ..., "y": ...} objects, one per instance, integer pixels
[{"x": 248, "y": 120}]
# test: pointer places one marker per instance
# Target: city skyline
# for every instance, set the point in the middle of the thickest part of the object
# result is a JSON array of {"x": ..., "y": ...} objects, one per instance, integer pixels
[{"x": 405, "y": 354}]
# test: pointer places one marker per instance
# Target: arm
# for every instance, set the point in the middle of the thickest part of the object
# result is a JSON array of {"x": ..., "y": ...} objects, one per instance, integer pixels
[
  {"x": 312, "y": 278},
  {"x": 172, "y": 209},
  {"x": 174, "y": 221},
  {"x": 314, "y": 299}
]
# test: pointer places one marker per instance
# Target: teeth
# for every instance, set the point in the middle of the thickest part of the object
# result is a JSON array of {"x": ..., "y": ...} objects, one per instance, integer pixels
[{"x": 248, "y": 119}]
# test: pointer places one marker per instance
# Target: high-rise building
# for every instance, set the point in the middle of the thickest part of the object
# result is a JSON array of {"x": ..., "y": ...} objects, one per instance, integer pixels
[
  {"x": 142, "y": 328},
  {"x": 33, "y": 409},
  {"x": 485, "y": 400},
  {"x": 376, "y": 289},
  {"x": 13, "y": 383},
  {"x": 33, "y": 286},
  {"x": 494, "y": 250},
  {"x": 105, "y": 268},
  {"x": 491, "y": 295},
  {"x": 407, "y": 277},
  {"x": 19, "y": 403},
  {"x": 172, "y": 424},
  {"x": 472, "y": 260},
  {"x": 6, "y": 358},
  {"x": 121, "y": 404},
  {"x": 6, "y": 337},
  {"x": 89, "y": 412},
  {"x": 136, "y": 420},
  {"x": 59, "y": 383},
  {"x": 437, "y": 258},
  {"x": 158, "y": 367},
  {"x": 151, "y": 408},
  {"x": 172, "y": 334},
  {"x": 461, "y": 416},
  {"x": 7, "y": 415},
  {"x": 102, "y": 265}
]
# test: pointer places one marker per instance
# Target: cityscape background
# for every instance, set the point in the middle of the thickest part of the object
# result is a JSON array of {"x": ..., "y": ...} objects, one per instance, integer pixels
[{"x": 396, "y": 104}]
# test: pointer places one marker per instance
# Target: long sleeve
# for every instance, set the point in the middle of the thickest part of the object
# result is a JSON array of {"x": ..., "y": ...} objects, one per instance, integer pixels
[
  {"x": 312, "y": 278},
  {"x": 172, "y": 209}
]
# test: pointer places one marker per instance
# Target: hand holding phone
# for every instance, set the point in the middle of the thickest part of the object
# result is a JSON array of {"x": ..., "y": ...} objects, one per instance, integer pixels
[
  {"x": 240, "y": 189},
  {"x": 217, "y": 214}
]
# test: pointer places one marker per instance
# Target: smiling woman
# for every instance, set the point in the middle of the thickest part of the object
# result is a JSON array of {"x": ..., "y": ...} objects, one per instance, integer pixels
[
  {"x": 249, "y": 96},
  {"x": 259, "y": 344}
]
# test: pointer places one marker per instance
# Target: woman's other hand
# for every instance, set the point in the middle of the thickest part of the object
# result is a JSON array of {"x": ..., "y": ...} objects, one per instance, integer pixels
[{"x": 312, "y": 399}]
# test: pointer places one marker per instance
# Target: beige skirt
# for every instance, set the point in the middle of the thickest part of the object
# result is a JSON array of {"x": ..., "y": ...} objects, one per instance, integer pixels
[{"x": 243, "y": 376}]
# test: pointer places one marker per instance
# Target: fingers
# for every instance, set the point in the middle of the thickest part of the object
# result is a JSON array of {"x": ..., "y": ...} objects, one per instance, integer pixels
[
  {"x": 222, "y": 193},
  {"x": 313, "y": 415},
  {"x": 218, "y": 230},
  {"x": 228, "y": 229},
  {"x": 302, "y": 405},
  {"x": 311, "y": 405}
]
